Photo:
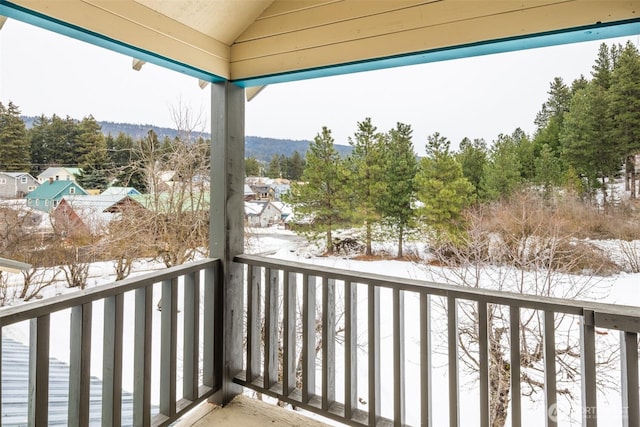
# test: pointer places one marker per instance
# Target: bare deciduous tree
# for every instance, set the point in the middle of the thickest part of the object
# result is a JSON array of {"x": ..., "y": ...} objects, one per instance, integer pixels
[{"x": 518, "y": 247}]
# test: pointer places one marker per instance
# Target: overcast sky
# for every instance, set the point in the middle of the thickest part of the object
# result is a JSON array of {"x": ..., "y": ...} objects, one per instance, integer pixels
[{"x": 46, "y": 73}]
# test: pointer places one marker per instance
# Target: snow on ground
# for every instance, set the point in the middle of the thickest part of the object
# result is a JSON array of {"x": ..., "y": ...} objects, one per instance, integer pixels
[{"x": 284, "y": 244}]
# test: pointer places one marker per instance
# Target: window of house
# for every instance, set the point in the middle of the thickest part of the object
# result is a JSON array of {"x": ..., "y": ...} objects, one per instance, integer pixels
[
  {"x": 3, "y": 180},
  {"x": 72, "y": 190},
  {"x": 57, "y": 177},
  {"x": 37, "y": 200},
  {"x": 55, "y": 203},
  {"x": 31, "y": 188},
  {"x": 23, "y": 179}
]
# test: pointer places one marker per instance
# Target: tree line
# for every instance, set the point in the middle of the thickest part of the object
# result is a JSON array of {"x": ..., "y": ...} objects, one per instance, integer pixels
[
  {"x": 104, "y": 159},
  {"x": 587, "y": 135}
]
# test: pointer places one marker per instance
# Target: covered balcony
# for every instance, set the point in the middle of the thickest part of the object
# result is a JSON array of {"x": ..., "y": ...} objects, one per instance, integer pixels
[{"x": 356, "y": 348}]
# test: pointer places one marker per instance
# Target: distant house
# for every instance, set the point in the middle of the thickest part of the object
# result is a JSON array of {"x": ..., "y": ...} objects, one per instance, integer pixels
[
  {"x": 16, "y": 185},
  {"x": 248, "y": 193},
  {"x": 59, "y": 174},
  {"x": 120, "y": 191},
  {"x": 47, "y": 196},
  {"x": 261, "y": 214},
  {"x": 85, "y": 214}
]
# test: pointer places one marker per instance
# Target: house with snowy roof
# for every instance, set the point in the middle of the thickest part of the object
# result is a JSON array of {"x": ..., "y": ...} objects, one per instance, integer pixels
[{"x": 85, "y": 214}]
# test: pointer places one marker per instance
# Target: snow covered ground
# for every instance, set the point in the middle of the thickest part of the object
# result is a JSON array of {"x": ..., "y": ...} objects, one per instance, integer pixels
[{"x": 276, "y": 242}]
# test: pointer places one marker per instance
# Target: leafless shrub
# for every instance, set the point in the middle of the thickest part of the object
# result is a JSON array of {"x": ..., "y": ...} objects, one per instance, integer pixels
[
  {"x": 629, "y": 253},
  {"x": 522, "y": 246}
]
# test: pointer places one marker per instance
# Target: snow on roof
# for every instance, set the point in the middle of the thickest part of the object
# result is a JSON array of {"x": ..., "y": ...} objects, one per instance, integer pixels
[
  {"x": 92, "y": 209},
  {"x": 120, "y": 191}
]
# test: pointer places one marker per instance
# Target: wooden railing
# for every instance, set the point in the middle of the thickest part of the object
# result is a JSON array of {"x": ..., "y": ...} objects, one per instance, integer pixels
[
  {"x": 194, "y": 290},
  {"x": 298, "y": 333}
]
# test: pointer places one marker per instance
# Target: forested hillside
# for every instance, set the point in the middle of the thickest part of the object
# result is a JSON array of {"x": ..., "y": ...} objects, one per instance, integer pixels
[{"x": 261, "y": 148}]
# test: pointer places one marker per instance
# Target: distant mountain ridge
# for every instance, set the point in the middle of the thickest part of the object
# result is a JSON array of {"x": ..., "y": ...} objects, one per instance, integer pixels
[{"x": 262, "y": 148}]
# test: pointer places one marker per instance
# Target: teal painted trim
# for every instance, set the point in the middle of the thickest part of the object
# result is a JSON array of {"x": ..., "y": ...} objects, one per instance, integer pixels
[
  {"x": 19, "y": 13},
  {"x": 574, "y": 35}
]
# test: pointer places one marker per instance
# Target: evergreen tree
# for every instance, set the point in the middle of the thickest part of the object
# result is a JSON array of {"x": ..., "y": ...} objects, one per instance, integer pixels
[
  {"x": 586, "y": 141},
  {"x": 38, "y": 136},
  {"x": 472, "y": 157},
  {"x": 95, "y": 167},
  {"x": 88, "y": 137},
  {"x": 443, "y": 190},
  {"x": 549, "y": 120},
  {"x": 399, "y": 175},
  {"x": 367, "y": 176},
  {"x": 502, "y": 172},
  {"x": 525, "y": 152},
  {"x": 601, "y": 70},
  {"x": 60, "y": 147},
  {"x": 548, "y": 171},
  {"x": 295, "y": 166},
  {"x": 273, "y": 169},
  {"x": 251, "y": 167},
  {"x": 321, "y": 197},
  {"x": 14, "y": 145},
  {"x": 625, "y": 107}
]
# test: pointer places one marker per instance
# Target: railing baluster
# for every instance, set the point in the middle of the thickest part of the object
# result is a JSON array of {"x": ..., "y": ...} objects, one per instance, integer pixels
[
  {"x": 398, "y": 359},
  {"x": 350, "y": 348},
  {"x": 79, "y": 365},
  {"x": 328, "y": 342},
  {"x": 588, "y": 369},
  {"x": 514, "y": 334},
  {"x": 191, "y": 346},
  {"x": 217, "y": 330},
  {"x": 550, "y": 392},
  {"x": 629, "y": 371},
  {"x": 270, "y": 327},
  {"x": 142, "y": 356},
  {"x": 483, "y": 344},
  {"x": 112, "y": 361},
  {"x": 253, "y": 323},
  {"x": 168, "y": 347},
  {"x": 308, "y": 338},
  {"x": 452, "y": 338},
  {"x": 425, "y": 360},
  {"x": 39, "y": 335},
  {"x": 289, "y": 334},
  {"x": 373, "y": 347}
]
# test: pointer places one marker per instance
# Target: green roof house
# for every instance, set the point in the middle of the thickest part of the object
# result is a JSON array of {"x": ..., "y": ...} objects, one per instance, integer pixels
[{"x": 47, "y": 196}]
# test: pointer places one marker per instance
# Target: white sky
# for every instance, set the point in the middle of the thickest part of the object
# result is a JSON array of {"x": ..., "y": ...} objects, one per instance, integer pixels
[{"x": 46, "y": 73}]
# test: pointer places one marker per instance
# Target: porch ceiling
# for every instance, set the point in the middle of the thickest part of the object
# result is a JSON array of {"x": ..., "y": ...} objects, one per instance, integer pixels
[{"x": 254, "y": 42}]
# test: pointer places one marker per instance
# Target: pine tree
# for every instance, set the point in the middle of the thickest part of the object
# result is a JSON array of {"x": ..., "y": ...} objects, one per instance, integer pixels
[
  {"x": 38, "y": 136},
  {"x": 321, "y": 196},
  {"x": 273, "y": 170},
  {"x": 60, "y": 146},
  {"x": 95, "y": 167},
  {"x": 88, "y": 137},
  {"x": 295, "y": 166},
  {"x": 14, "y": 146},
  {"x": 444, "y": 192},
  {"x": 502, "y": 172},
  {"x": 400, "y": 170},
  {"x": 586, "y": 141},
  {"x": 549, "y": 119},
  {"x": 251, "y": 166},
  {"x": 472, "y": 157},
  {"x": 548, "y": 171},
  {"x": 367, "y": 176},
  {"x": 625, "y": 106}
]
